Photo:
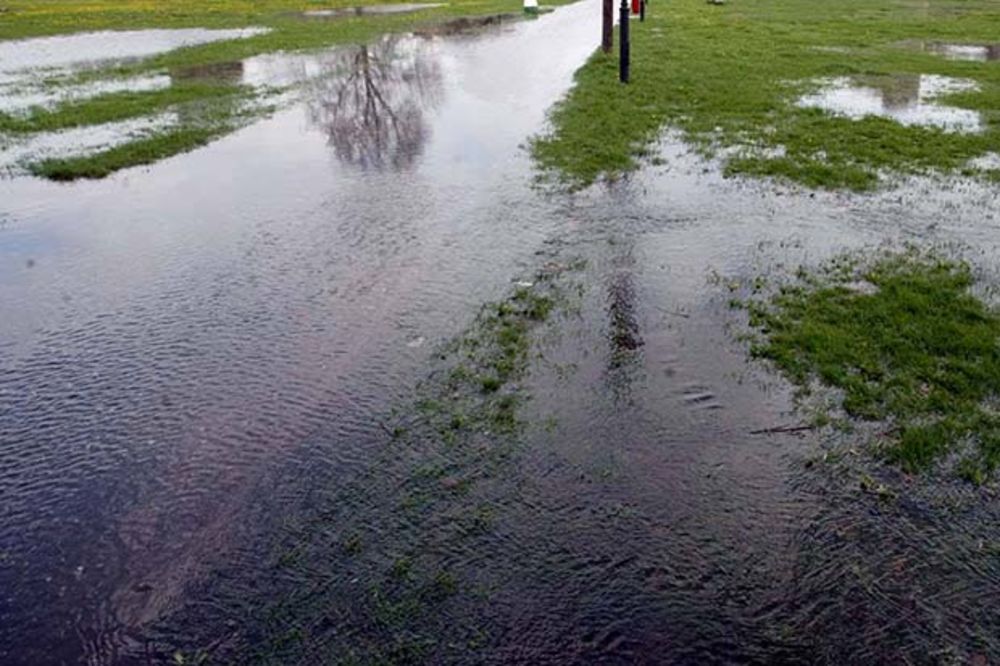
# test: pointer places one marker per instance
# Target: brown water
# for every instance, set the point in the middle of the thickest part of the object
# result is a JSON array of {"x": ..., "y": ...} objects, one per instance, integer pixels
[{"x": 199, "y": 359}]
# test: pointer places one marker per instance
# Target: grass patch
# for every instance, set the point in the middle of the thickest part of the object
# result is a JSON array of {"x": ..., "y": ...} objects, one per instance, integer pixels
[
  {"x": 204, "y": 121},
  {"x": 728, "y": 77},
  {"x": 906, "y": 341},
  {"x": 135, "y": 153}
]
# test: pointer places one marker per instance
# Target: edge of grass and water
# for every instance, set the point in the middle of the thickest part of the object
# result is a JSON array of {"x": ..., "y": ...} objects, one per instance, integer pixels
[
  {"x": 896, "y": 343},
  {"x": 728, "y": 77}
]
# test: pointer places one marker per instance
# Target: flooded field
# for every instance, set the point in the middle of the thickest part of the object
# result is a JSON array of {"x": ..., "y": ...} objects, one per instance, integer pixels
[{"x": 222, "y": 376}]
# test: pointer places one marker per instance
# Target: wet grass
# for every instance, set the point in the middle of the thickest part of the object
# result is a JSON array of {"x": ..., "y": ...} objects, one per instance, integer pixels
[
  {"x": 728, "y": 78},
  {"x": 134, "y": 153},
  {"x": 288, "y": 31},
  {"x": 905, "y": 341},
  {"x": 201, "y": 121},
  {"x": 118, "y": 106}
]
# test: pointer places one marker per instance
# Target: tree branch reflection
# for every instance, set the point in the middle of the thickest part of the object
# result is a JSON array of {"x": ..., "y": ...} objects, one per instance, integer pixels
[{"x": 373, "y": 112}]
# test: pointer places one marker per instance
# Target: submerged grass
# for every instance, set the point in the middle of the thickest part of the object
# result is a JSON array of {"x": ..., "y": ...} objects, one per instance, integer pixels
[
  {"x": 373, "y": 577},
  {"x": 728, "y": 78},
  {"x": 906, "y": 342}
]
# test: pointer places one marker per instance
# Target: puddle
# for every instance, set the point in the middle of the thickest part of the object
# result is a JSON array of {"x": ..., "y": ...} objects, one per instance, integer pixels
[
  {"x": 20, "y": 98},
  {"x": 907, "y": 99},
  {"x": 66, "y": 51},
  {"x": 987, "y": 161},
  {"x": 371, "y": 10},
  {"x": 967, "y": 52}
]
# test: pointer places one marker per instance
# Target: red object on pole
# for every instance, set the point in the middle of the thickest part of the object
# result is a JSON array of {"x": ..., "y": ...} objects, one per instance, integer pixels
[{"x": 635, "y": 6}]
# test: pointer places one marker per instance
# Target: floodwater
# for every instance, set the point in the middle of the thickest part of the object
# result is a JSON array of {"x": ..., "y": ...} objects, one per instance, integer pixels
[
  {"x": 21, "y": 56},
  {"x": 905, "y": 98},
  {"x": 371, "y": 10},
  {"x": 199, "y": 362},
  {"x": 30, "y": 73},
  {"x": 24, "y": 96}
]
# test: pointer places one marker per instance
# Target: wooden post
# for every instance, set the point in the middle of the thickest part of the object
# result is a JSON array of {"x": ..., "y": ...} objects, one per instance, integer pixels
[{"x": 608, "y": 27}]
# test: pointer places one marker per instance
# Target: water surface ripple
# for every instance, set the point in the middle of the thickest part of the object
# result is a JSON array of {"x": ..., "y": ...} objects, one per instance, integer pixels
[{"x": 197, "y": 358}]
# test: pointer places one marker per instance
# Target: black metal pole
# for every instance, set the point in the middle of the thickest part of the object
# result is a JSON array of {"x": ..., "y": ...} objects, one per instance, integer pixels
[
  {"x": 608, "y": 27},
  {"x": 642, "y": 10},
  {"x": 623, "y": 58}
]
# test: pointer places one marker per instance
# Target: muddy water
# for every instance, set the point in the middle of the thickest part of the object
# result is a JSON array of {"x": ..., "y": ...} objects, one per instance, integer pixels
[{"x": 191, "y": 377}]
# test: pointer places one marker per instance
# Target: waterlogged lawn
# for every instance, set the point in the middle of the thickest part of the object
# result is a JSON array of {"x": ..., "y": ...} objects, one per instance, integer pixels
[
  {"x": 906, "y": 342},
  {"x": 730, "y": 78},
  {"x": 206, "y": 106}
]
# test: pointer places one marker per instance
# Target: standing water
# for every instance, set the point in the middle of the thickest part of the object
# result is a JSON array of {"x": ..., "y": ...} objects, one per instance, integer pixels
[
  {"x": 199, "y": 363},
  {"x": 178, "y": 340}
]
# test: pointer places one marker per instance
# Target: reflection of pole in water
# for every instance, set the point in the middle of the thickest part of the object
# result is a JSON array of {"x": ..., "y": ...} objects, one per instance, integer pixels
[
  {"x": 623, "y": 326},
  {"x": 900, "y": 92},
  {"x": 373, "y": 111}
]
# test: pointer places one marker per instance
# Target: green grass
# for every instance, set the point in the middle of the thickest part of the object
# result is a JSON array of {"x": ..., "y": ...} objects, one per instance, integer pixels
[
  {"x": 288, "y": 31},
  {"x": 728, "y": 77},
  {"x": 114, "y": 107},
  {"x": 134, "y": 153},
  {"x": 906, "y": 342}
]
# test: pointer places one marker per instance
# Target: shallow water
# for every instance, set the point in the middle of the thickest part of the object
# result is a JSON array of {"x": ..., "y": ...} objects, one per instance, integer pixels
[
  {"x": 22, "y": 57},
  {"x": 175, "y": 337},
  {"x": 371, "y": 10},
  {"x": 72, "y": 142},
  {"x": 33, "y": 74},
  {"x": 968, "y": 52},
  {"x": 19, "y": 98},
  {"x": 199, "y": 358},
  {"x": 907, "y": 99}
]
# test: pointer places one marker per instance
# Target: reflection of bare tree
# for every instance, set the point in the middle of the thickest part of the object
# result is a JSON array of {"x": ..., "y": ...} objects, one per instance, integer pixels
[{"x": 373, "y": 110}]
